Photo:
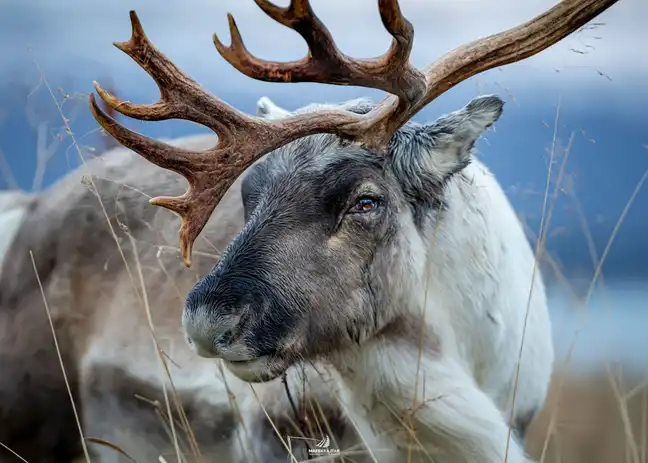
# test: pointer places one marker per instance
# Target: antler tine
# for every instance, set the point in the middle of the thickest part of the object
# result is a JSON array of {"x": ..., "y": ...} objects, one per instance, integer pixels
[
  {"x": 152, "y": 112},
  {"x": 325, "y": 63},
  {"x": 209, "y": 177},
  {"x": 135, "y": 47},
  {"x": 161, "y": 154},
  {"x": 180, "y": 96}
]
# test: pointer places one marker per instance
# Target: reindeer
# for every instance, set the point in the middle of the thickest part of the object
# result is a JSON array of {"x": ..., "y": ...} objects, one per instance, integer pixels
[{"x": 379, "y": 247}]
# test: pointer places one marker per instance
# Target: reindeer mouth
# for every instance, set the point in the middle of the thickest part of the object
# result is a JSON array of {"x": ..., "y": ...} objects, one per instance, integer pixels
[{"x": 257, "y": 370}]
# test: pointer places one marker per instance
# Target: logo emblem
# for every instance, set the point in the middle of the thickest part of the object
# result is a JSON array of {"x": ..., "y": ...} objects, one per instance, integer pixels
[{"x": 322, "y": 446}]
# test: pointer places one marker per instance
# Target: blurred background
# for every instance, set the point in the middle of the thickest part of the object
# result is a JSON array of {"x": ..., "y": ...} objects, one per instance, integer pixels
[{"x": 577, "y": 110}]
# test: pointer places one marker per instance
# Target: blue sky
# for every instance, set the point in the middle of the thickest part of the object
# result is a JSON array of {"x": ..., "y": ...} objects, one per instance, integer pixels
[{"x": 599, "y": 76}]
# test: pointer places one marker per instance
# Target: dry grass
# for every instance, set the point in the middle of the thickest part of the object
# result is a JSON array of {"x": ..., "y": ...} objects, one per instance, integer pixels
[{"x": 590, "y": 427}]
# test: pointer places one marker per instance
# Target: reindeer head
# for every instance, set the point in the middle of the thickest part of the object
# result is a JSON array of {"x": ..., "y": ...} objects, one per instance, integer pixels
[
  {"x": 333, "y": 240},
  {"x": 336, "y": 213}
]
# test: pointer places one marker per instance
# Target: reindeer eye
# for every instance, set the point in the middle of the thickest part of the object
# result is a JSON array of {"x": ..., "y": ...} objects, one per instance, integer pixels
[{"x": 364, "y": 204}]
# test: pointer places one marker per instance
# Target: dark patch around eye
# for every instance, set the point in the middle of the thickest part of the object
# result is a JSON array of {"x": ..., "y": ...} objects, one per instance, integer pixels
[{"x": 341, "y": 179}]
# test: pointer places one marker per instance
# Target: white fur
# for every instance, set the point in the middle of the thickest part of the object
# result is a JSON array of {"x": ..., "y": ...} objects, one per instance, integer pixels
[{"x": 471, "y": 278}]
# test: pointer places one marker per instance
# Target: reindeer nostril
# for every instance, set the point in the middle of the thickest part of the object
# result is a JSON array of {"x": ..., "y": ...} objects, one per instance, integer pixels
[{"x": 208, "y": 333}]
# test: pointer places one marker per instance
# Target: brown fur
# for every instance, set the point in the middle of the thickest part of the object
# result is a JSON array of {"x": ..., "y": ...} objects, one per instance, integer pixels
[{"x": 401, "y": 330}]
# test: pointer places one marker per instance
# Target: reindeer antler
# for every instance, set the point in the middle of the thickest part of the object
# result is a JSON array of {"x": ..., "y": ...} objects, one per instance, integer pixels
[{"x": 243, "y": 139}]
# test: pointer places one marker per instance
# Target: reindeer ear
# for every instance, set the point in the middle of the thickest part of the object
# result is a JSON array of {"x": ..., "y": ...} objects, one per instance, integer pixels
[
  {"x": 460, "y": 129},
  {"x": 267, "y": 109},
  {"x": 424, "y": 157},
  {"x": 452, "y": 137}
]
